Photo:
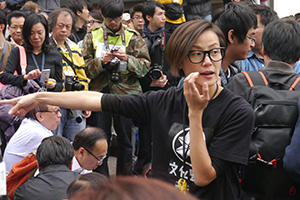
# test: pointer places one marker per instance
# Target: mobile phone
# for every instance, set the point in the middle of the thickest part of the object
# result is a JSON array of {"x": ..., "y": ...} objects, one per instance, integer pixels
[{"x": 45, "y": 75}]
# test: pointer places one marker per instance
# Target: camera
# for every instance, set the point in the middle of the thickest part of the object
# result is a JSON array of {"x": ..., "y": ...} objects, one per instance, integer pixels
[
  {"x": 115, "y": 67},
  {"x": 155, "y": 71},
  {"x": 71, "y": 82}
]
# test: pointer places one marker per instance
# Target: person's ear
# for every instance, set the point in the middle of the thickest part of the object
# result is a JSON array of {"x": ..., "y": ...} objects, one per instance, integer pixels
[
  {"x": 81, "y": 151},
  {"x": 263, "y": 50},
  {"x": 148, "y": 17},
  {"x": 2, "y": 27},
  {"x": 78, "y": 13},
  {"x": 231, "y": 36},
  {"x": 39, "y": 116}
]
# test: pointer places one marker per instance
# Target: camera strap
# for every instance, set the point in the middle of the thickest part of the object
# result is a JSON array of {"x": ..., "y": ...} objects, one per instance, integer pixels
[{"x": 105, "y": 37}]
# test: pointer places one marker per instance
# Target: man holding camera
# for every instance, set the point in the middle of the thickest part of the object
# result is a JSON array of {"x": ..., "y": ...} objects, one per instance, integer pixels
[
  {"x": 116, "y": 56},
  {"x": 61, "y": 23}
]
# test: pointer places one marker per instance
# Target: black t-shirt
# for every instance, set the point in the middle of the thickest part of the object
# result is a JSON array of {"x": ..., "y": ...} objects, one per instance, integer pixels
[{"x": 227, "y": 124}]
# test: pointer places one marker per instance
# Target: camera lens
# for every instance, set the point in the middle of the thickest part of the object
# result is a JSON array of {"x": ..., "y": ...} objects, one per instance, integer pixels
[{"x": 155, "y": 74}]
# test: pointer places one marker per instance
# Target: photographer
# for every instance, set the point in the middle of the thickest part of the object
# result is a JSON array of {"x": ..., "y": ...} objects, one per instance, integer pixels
[
  {"x": 115, "y": 56},
  {"x": 61, "y": 23}
]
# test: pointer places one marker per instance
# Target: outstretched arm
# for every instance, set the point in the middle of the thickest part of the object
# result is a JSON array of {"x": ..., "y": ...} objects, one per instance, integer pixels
[
  {"x": 204, "y": 172},
  {"x": 84, "y": 100}
]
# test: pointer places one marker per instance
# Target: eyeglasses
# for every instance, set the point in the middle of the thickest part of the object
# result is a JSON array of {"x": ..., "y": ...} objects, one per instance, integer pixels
[
  {"x": 215, "y": 54},
  {"x": 99, "y": 159},
  {"x": 61, "y": 26},
  {"x": 55, "y": 111},
  {"x": 138, "y": 18},
  {"x": 92, "y": 22},
  {"x": 116, "y": 19},
  {"x": 251, "y": 38},
  {"x": 16, "y": 27}
]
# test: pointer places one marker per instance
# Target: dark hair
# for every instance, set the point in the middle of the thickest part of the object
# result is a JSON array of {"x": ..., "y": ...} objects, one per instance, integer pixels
[
  {"x": 90, "y": 181},
  {"x": 32, "y": 113},
  {"x": 96, "y": 14},
  {"x": 77, "y": 5},
  {"x": 281, "y": 40},
  {"x": 267, "y": 14},
  {"x": 3, "y": 21},
  {"x": 136, "y": 8},
  {"x": 89, "y": 5},
  {"x": 61, "y": 11},
  {"x": 149, "y": 9},
  {"x": 297, "y": 16},
  {"x": 237, "y": 17},
  {"x": 16, "y": 14},
  {"x": 88, "y": 137},
  {"x": 28, "y": 24},
  {"x": 54, "y": 150},
  {"x": 138, "y": 188},
  {"x": 183, "y": 39},
  {"x": 111, "y": 8}
]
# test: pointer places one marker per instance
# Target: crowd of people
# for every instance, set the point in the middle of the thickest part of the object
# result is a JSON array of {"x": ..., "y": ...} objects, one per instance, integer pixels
[{"x": 177, "y": 84}]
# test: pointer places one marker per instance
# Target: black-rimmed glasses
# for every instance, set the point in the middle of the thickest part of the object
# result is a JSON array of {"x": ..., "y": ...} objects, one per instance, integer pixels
[
  {"x": 251, "y": 38},
  {"x": 116, "y": 19},
  {"x": 98, "y": 159},
  {"x": 55, "y": 111},
  {"x": 215, "y": 54},
  {"x": 92, "y": 22}
]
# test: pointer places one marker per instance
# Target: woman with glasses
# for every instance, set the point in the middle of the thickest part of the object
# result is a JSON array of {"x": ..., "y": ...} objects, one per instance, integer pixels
[
  {"x": 94, "y": 20},
  {"x": 39, "y": 57},
  {"x": 200, "y": 133}
]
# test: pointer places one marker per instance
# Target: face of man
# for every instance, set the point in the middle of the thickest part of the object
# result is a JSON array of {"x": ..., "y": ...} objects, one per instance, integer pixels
[
  {"x": 138, "y": 21},
  {"x": 84, "y": 14},
  {"x": 90, "y": 160},
  {"x": 15, "y": 28},
  {"x": 50, "y": 118},
  {"x": 62, "y": 28},
  {"x": 258, "y": 34},
  {"x": 158, "y": 19},
  {"x": 112, "y": 23}
]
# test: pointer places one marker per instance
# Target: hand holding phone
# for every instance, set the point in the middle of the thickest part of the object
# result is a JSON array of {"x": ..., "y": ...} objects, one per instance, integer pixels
[{"x": 45, "y": 75}]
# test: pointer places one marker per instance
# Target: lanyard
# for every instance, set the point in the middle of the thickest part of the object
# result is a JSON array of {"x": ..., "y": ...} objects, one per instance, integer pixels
[
  {"x": 4, "y": 49},
  {"x": 43, "y": 61},
  {"x": 105, "y": 37}
]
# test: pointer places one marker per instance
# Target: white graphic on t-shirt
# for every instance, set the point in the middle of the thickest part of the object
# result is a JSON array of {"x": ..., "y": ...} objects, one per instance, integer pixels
[
  {"x": 183, "y": 173},
  {"x": 174, "y": 168}
]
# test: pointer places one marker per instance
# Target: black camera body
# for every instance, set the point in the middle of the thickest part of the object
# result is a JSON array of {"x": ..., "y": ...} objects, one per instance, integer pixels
[
  {"x": 72, "y": 83},
  {"x": 113, "y": 68},
  {"x": 155, "y": 71}
]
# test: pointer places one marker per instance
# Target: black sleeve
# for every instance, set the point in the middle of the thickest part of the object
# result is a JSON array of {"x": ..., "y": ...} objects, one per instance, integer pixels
[
  {"x": 113, "y": 103},
  {"x": 12, "y": 65},
  {"x": 220, "y": 165},
  {"x": 58, "y": 73}
]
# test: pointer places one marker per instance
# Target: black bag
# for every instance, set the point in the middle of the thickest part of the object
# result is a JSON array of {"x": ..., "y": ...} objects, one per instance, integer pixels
[
  {"x": 174, "y": 10},
  {"x": 276, "y": 114}
]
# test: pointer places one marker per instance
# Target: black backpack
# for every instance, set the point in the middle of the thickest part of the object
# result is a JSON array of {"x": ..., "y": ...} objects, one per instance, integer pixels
[
  {"x": 174, "y": 10},
  {"x": 276, "y": 114}
]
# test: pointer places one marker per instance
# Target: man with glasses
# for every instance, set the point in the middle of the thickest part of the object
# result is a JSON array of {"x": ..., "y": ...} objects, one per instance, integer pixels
[
  {"x": 255, "y": 59},
  {"x": 15, "y": 21},
  {"x": 34, "y": 128},
  {"x": 237, "y": 22},
  {"x": 61, "y": 23},
  {"x": 90, "y": 147},
  {"x": 115, "y": 56},
  {"x": 137, "y": 20}
]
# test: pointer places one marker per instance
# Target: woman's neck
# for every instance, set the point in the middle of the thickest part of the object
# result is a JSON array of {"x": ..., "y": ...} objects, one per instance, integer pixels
[{"x": 36, "y": 51}]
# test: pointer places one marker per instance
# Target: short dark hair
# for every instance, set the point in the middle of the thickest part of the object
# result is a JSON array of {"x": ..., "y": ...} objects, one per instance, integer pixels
[
  {"x": 32, "y": 113},
  {"x": 16, "y": 14},
  {"x": 77, "y": 5},
  {"x": 281, "y": 40},
  {"x": 297, "y": 16},
  {"x": 64, "y": 11},
  {"x": 136, "y": 8},
  {"x": 90, "y": 181},
  {"x": 111, "y": 8},
  {"x": 3, "y": 21},
  {"x": 183, "y": 39},
  {"x": 54, "y": 150},
  {"x": 149, "y": 9},
  {"x": 267, "y": 14},
  {"x": 88, "y": 137},
  {"x": 237, "y": 17},
  {"x": 28, "y": 24},
  {"x": 96, "y": 14}
]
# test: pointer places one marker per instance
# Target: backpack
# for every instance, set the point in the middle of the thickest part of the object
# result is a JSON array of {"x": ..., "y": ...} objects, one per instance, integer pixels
[
  {"x": 20, "y": 173},
  {"x": 276, "y": 114},
  {"x": 174, "y": 10}
]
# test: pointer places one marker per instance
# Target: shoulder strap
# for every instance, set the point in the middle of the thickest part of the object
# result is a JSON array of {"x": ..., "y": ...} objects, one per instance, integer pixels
[
  {"x": 295, "y": 83},
  {"x": 255, "y": 78},
  {"x": 23, "y": 59}
]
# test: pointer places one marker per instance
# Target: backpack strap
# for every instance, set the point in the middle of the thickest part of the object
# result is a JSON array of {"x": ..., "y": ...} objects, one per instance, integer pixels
[
  {"x": 255, "y": 78},
  {"x": 294, "y": 84},
  {"x": 23, "y": 59}
]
